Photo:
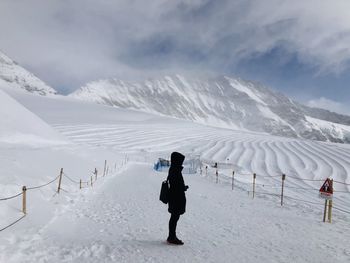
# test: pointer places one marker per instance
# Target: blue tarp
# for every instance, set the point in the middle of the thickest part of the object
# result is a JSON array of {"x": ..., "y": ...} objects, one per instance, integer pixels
[{"x": 160, "y": 164}]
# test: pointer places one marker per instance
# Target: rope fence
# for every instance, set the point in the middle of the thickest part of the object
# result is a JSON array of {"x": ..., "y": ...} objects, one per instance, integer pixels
[
  {"x": 344, "y": 211},
  {"x": 253, "y": 184},
  {"x": 304, "y": 179},
  {"x": 11, "y": 197},
  {"x": 340, "y": 182},
  {"x": 264, "y": 193},
  {"x": 81, "y": 184},
  {"x": 41, "y": 186},
  {"x": 301, "y": 200},
  {"x": 6, "y": 227},
  {"x": 106, "y": 170},
  {"x": 70, "y": 179}
]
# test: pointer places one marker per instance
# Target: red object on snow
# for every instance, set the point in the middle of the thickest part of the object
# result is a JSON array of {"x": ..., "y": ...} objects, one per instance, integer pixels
[{"x": 327, "y": 188}]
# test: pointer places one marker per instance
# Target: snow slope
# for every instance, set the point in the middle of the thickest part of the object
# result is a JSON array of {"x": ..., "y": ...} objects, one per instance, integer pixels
[
  {"x": 121, "y": 219},
  {"x": 19, "y": 125},
  {"x": 32, "y": 154},
  {"x": 222, "y": 101},
  {"x": 19, "y": 78}
]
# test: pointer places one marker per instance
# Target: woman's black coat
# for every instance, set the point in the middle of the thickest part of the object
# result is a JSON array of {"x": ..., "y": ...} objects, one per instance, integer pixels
[{"x": 177, "y": 198}]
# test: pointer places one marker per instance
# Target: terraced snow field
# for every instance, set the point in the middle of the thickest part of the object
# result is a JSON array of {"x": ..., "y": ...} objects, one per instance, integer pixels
[
  {"x": 120, "y": 219},
  {"x": 306, "y": 163},
  {"x": 248, "y": 152}
]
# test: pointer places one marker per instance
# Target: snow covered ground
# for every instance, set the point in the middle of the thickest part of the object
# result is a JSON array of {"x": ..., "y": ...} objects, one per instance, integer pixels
[{"x": 120, "y": 219}]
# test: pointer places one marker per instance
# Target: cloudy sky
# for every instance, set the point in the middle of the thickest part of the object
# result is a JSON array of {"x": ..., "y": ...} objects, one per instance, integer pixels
[{"x": 301, "y": 48}]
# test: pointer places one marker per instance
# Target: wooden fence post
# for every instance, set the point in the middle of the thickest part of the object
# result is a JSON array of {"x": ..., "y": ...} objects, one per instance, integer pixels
[
  {"x": 24, "y": 200},
  {"x": 80, "y": 184},
  {"x": 60, "y": 181},
  {"x": 217, "y": 175},
  {"x": 233, "y": 179},
  {"x": 254, "y": 177},
  {"x": 206, "y": 170},
  {"x": 91, "y": 181},
  {"x": 283, "y": 178},
  {"x": 96, "y": 174},
  {"x": 104, "y": 169}
]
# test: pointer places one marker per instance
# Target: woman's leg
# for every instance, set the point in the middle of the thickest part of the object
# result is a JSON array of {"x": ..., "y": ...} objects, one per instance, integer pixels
[{"x": 172, "y": 225}]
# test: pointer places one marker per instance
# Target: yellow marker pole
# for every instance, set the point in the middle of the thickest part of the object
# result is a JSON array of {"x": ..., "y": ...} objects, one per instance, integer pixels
[{"x": 330, "y": 203}]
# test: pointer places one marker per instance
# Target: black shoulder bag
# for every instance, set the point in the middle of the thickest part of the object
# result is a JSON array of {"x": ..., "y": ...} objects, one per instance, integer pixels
[{"x": 164, "y": 192}]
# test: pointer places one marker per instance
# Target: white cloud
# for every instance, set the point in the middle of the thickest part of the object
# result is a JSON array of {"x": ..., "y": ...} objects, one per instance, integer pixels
[
  {"x": 330, "y": 105},
  {"x": 73, "y": 41}
]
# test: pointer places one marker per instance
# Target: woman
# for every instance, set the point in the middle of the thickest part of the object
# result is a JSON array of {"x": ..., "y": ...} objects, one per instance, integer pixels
[{"x": 177, "y": 198}]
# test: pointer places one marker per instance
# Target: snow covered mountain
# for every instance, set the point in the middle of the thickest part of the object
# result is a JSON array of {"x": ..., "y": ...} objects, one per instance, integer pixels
[
  {"x": 112, "y": 218},
  {"x": 19, "y": 77},
  {"x": 221, "y": 101}
]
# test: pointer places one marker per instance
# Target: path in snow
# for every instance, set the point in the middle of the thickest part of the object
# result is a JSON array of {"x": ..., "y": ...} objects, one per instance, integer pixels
[{"x": 122, "y": 220}]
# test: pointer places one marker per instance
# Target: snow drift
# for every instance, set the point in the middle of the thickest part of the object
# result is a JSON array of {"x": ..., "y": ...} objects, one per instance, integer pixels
[{"x": 19, "y": 125}]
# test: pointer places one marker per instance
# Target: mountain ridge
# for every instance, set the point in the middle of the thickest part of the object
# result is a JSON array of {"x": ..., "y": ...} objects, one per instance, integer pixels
[
  {"x": 220, "y": 101},
  {"x": 20, "y": 78}
]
